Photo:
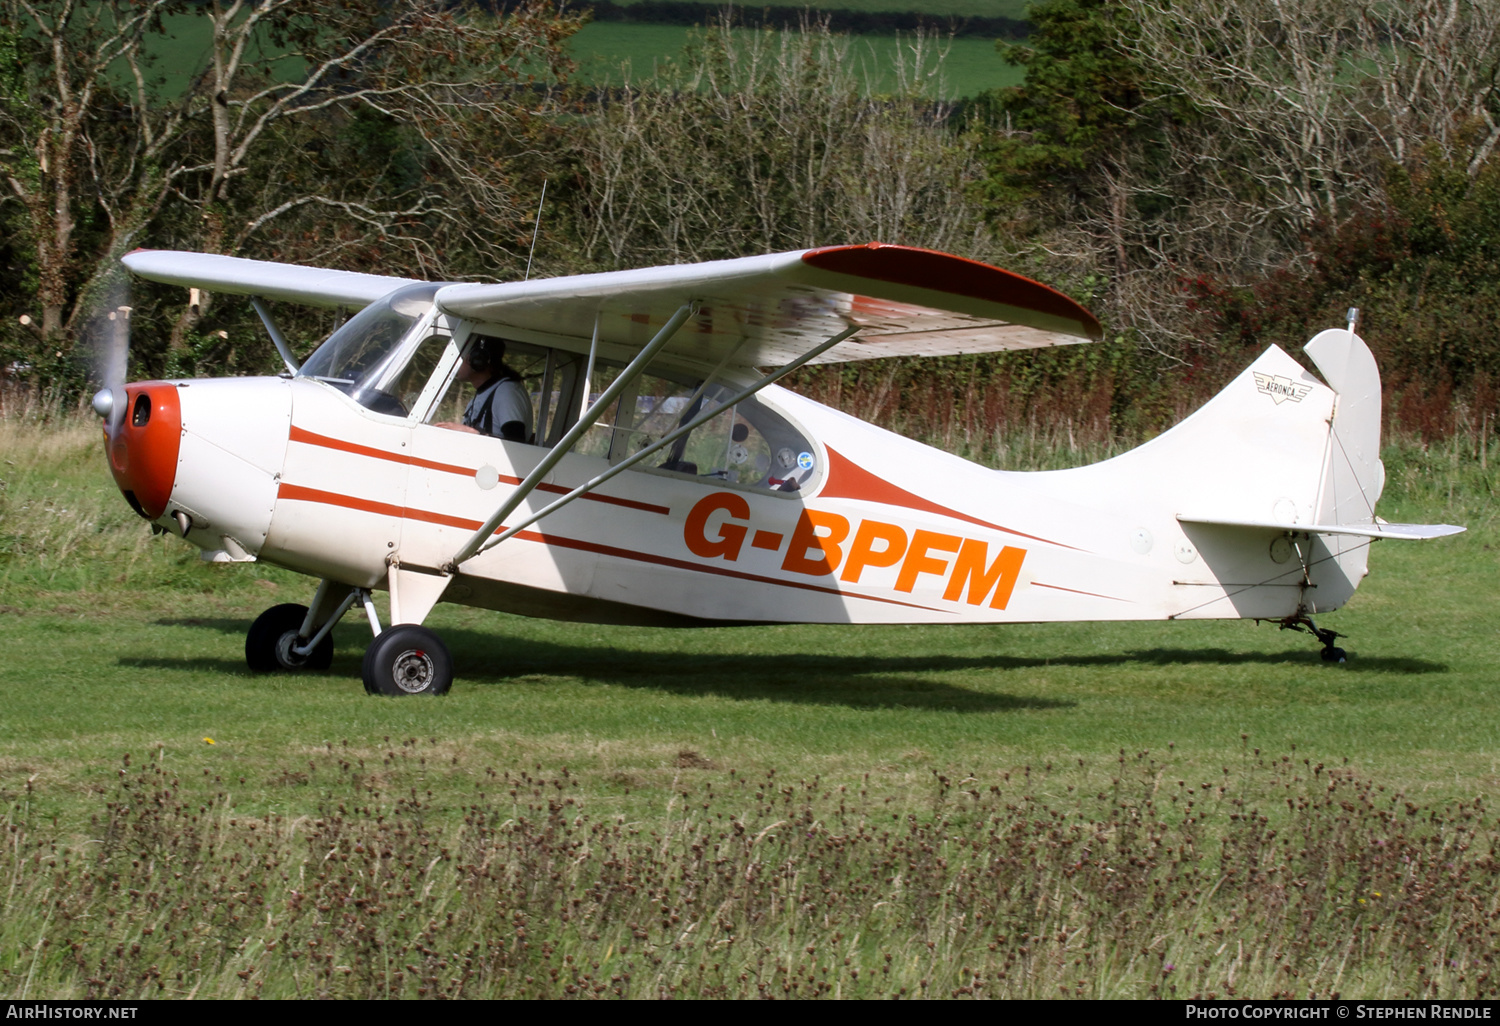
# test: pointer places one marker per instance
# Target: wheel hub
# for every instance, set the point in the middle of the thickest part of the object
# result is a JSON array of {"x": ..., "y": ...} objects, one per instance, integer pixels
[
  {"x": 284, "y": 654},
  {"x": 413, "y": 671}
]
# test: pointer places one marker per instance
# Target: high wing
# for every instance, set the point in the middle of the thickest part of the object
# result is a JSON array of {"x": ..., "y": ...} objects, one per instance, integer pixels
[
  {"x": 752, "y": 312},
  {"x": 767, "y": 310},
  {"x": 309, "y": 286}
]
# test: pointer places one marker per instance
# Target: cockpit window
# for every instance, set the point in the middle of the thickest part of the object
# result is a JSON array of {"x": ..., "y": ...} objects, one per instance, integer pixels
[
  {"x": 747, "y": 444},
  {"x": 366, "y": 358},
  {"x": 535, "y": 368}
]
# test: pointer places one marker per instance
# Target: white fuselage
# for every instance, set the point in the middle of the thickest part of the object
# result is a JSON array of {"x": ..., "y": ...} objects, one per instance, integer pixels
[{"x": 296, "y": 473}]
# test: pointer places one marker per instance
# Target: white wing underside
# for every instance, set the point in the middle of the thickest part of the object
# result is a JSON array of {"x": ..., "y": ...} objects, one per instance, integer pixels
[
  {"x": 752, "y": 312},
  {"x": 292, "y": 283}
]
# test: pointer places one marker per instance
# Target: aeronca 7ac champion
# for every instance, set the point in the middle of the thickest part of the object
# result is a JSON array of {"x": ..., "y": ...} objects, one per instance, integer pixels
[{"x": 612, "y": 448}]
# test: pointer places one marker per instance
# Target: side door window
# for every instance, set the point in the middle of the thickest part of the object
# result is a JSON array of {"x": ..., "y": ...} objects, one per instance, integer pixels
[
  {"x": 747, "y": 445},
  {"x": 530, "y": 367}
]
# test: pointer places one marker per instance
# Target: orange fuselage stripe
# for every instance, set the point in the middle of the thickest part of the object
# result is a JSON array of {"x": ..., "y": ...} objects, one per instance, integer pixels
[
  {"x": 1075, "y": 591},
  {"x": 338, "y": 444},
  {"x": 304, "y": 494},
  {"x": 848, "y": 480}
]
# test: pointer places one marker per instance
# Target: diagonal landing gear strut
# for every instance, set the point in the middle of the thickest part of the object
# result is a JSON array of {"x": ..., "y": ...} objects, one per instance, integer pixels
[{"x": 1304, "y": 623}]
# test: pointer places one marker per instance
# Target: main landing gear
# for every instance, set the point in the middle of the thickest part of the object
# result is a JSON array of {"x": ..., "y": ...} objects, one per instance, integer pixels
[
  {"x": 404, "y": 659},
  {"x": 408, "y": 660},
  {"x": 1331, "y": 652}
]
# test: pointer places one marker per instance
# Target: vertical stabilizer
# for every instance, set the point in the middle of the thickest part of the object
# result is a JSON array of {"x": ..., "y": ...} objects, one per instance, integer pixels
[{"x": 1353, "y": 476}]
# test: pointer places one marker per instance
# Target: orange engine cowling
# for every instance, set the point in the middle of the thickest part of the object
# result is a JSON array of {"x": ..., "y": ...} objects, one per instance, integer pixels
[{"x": 142, "y": 441}]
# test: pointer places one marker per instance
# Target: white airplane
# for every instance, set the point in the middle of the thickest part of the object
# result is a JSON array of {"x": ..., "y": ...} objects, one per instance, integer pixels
[{"x": 665, "y": 479}]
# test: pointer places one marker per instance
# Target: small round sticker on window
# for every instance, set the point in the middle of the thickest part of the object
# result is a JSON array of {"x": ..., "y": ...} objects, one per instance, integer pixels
[{"x": 805, "y": 460}]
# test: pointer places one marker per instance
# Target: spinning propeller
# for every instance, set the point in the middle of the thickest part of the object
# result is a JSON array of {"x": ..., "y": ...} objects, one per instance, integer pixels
[
  {"x": 142, "y": 421},
  {"x": 110, "y": 357}
]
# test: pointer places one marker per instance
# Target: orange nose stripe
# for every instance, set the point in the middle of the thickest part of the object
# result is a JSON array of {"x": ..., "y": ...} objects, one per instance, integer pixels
[{"x": 143, "y": 451}]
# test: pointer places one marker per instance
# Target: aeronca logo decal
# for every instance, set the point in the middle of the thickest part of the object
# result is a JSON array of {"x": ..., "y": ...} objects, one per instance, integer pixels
[
  {"x": 824, "y": 543},
  {"x": 1280, "y": 389}
]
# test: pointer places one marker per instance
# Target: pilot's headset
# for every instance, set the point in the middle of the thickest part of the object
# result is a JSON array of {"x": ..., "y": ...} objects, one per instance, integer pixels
[{"x": 486, "y": 354}]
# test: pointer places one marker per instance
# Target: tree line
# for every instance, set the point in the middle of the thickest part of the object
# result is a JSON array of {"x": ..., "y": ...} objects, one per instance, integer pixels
[{"x": 1208, "y": 175}]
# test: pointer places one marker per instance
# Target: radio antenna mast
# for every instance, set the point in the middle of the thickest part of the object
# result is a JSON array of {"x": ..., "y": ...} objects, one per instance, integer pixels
[{"x": 537, "y": 228}]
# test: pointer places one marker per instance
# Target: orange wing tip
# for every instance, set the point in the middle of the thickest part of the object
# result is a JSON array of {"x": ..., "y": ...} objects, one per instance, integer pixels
[{"x": 955, "y": 275}]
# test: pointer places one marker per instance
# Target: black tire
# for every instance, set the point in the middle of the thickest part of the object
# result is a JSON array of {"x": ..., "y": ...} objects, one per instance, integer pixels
[
  {"x": 268, "y": 644},
  {"x": 1334, "y": 654},
  {"x": 408, "y": 660}
]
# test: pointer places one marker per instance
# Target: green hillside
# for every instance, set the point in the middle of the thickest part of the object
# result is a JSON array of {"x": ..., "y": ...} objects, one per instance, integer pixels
[
  {"x": 181, "y": 52},
  {"x": 601, "y": 48},
  {"x": 935, "y": 8}
]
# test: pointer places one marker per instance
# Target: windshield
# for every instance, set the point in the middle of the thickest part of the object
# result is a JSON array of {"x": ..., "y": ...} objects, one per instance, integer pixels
[{"x": 366, "y": 353}]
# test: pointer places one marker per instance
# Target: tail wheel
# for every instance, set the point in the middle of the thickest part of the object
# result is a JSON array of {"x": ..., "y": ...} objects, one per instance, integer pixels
[
  {"x": 268, "y": 645},
  {"x": 408, "y": 660}
]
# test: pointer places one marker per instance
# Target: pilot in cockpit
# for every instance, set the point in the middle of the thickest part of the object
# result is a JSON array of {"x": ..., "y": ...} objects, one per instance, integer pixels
[{"x": 500, "y": 406}]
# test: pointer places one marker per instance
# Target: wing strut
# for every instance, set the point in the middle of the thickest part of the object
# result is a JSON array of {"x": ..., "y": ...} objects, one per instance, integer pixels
[
  {"x": 565, "y": 444},
  {"x": 271, "y": 329},
  {"x": 657, "y": 446}
]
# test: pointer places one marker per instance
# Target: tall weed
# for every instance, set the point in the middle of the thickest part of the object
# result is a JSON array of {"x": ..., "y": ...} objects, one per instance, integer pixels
[{"x": 1279, "y": 877}]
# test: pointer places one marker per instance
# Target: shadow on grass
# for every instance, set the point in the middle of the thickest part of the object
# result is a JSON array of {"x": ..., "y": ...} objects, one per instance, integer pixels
[
  {"x": 855, "y": 681},
  {"x": 1223, "y": 657}
]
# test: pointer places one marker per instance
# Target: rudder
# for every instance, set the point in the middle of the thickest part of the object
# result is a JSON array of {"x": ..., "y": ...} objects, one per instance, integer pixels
[{"x": 1353, "y": 476}]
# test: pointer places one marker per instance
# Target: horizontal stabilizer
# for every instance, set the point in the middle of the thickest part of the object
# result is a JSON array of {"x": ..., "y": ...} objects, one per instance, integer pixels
[{"x": 1398, "y": 532}]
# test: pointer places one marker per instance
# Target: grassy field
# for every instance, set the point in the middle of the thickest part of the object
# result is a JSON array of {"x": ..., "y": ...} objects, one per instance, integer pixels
[{"x": 1063, "y": 810}]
